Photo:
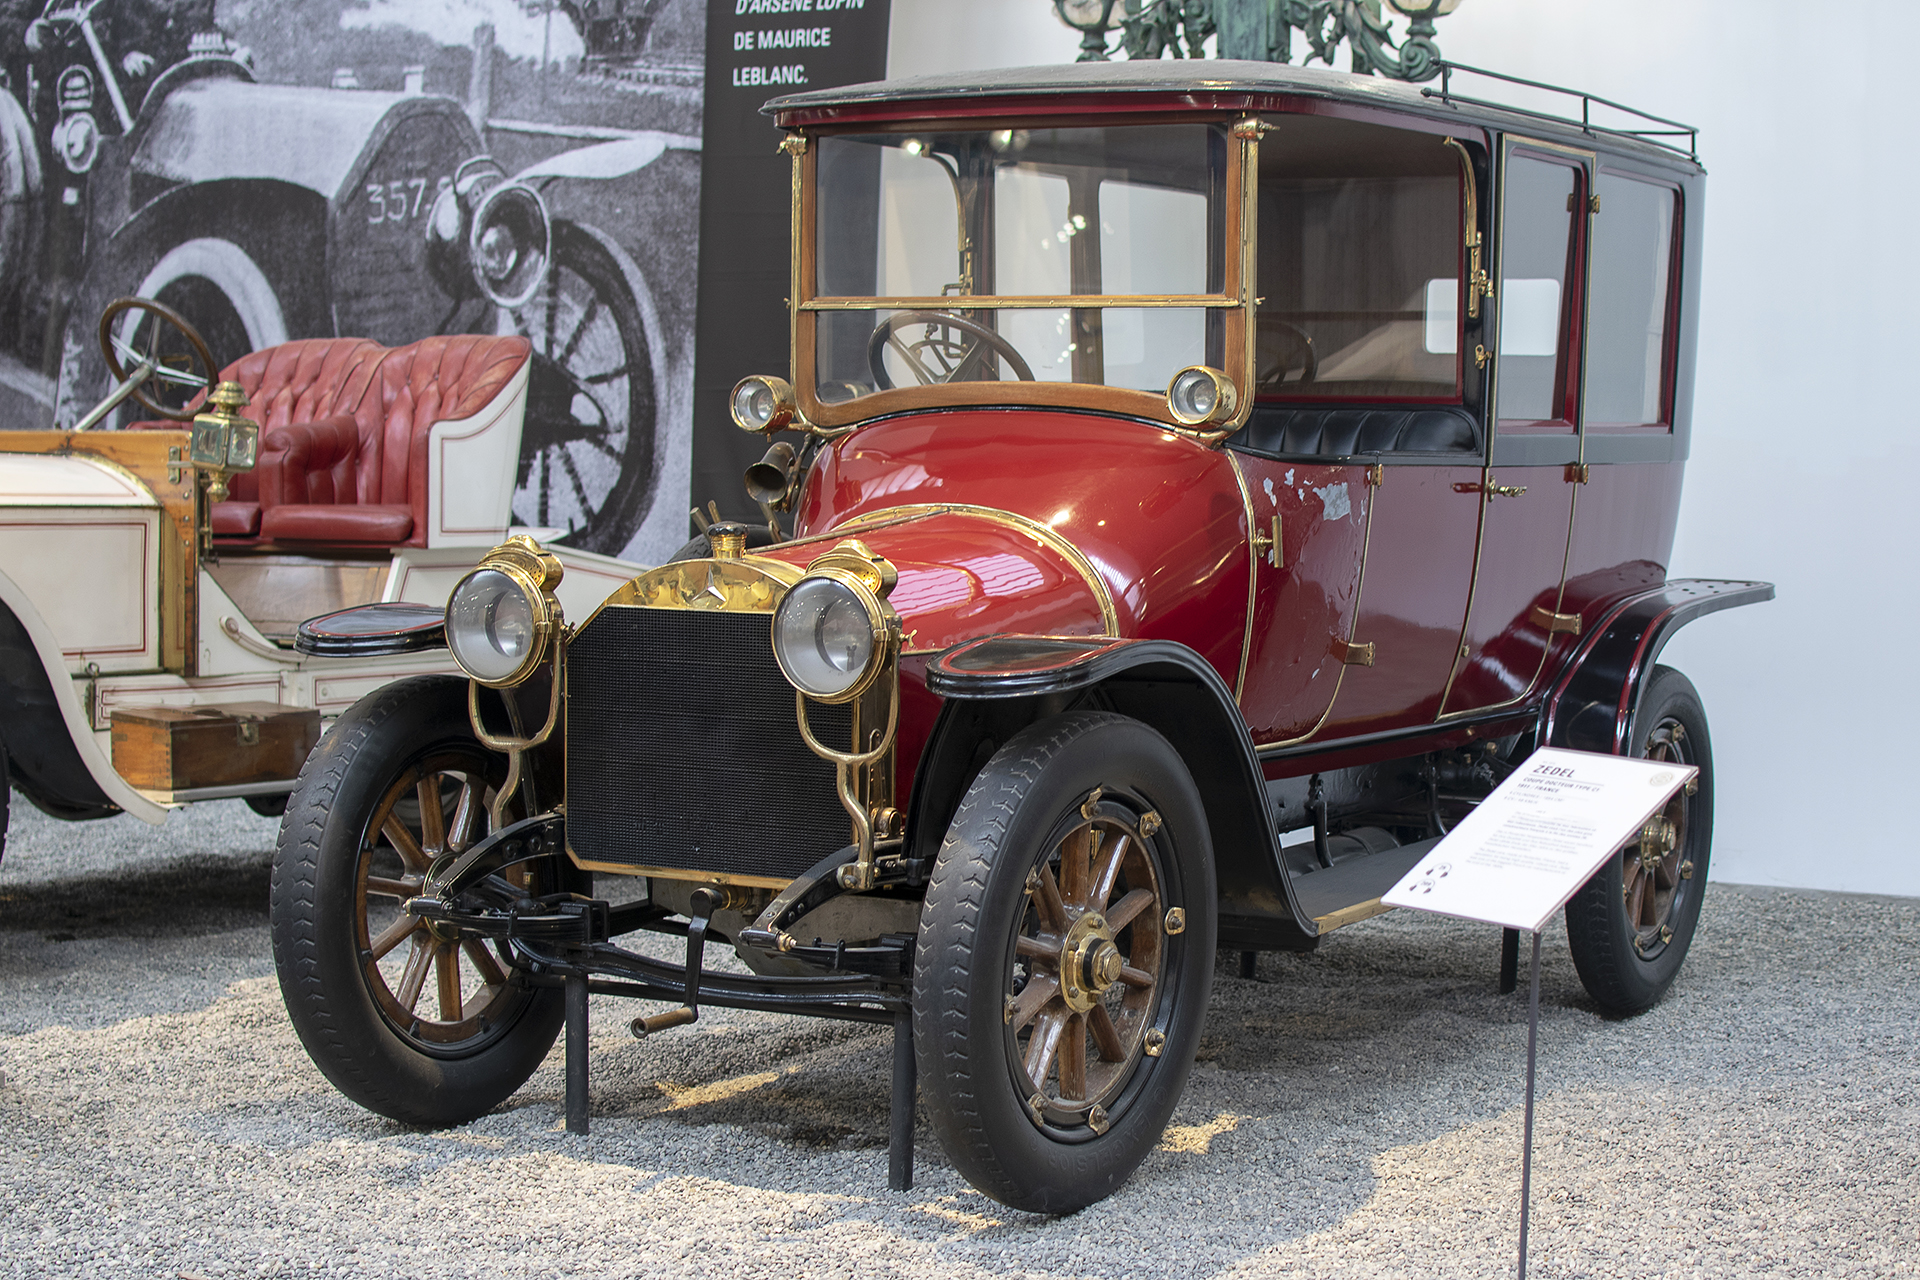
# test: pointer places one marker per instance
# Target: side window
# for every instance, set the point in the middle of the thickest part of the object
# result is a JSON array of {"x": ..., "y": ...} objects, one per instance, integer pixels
[
  {"x": 1535, "y": 290},
  {"x": 1629, "y": 302},
  {"x": 1359, "y": 263}
]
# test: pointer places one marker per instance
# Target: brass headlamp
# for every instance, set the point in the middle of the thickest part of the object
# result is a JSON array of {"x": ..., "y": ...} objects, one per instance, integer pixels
[
  {"x": 833, "y": 632},
  {"x": 503, "y": 618},
  {"x": 762, "y": 403},
  {"x": 1201, "y": 396}
]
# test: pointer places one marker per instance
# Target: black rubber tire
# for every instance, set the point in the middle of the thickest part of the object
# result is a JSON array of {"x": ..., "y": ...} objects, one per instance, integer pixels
[
  {"x": 1624, "y": 979},
  {"x": 964, "y": 966},
  {"x": 316, "y": 928}
]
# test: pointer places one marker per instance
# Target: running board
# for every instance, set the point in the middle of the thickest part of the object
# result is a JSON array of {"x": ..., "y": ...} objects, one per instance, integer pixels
[{"x": 1350, "y": 890}]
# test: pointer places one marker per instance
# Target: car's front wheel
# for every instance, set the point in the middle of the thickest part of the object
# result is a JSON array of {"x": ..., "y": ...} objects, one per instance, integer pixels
[
  {"x": 1629, "y": 927},
  {"x": 421, "y": 1027},
  {"x": 1064, "y": 959}
]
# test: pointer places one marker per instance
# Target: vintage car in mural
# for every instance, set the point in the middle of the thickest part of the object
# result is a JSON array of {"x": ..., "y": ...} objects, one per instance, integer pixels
[
  {"x": 149, "y": 590},
  {"x": 1207, "y": 480},
  {"x": 344, "y": 212}
]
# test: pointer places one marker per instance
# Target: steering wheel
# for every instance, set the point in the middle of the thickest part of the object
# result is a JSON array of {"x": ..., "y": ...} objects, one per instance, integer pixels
[
  {"x": 1272, "y": 365},
  {"x": 173, "y": 356},
  {"x": 944, "y": 358}
]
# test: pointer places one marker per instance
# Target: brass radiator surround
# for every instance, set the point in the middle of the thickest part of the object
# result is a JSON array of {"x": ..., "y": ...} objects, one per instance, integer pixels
[{"x": 749, "y": 584}]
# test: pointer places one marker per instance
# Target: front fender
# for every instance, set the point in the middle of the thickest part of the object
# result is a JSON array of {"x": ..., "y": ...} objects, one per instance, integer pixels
[
  {"x": 1596, "y": 700},
  {"x": 995, "y": 685}
]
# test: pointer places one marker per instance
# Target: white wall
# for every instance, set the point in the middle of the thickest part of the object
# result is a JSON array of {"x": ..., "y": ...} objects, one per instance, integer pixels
[{"x": 1805, "y": 460}]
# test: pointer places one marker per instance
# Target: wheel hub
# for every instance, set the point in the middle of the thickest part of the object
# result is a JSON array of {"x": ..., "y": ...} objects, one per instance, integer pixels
[
  {"x": 1657, "y": 841},
  {"x": 1089, "y": 962}
]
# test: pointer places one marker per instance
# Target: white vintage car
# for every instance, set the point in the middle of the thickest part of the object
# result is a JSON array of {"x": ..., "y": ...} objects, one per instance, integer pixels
[{"x": 150, "y": 590}]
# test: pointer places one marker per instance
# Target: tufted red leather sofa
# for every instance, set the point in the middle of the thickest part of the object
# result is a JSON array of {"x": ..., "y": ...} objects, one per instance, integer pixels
[{"x": 344, "y": 432}]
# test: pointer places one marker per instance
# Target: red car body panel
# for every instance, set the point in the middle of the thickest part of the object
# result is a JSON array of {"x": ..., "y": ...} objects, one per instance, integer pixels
[{"x": 1158, "y": 517}]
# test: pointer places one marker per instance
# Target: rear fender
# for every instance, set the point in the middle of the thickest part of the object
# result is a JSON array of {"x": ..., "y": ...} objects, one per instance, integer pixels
[
  {"x": 996, "y": 686},
  {"x": 55, "y": 758},
  {"x": 1596, "y": 700}
]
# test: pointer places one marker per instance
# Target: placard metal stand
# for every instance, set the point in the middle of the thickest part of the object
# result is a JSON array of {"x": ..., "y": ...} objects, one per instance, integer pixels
[
  {"x": 1526, "y": 1142},
  {"x": 1518, "y": 857}
]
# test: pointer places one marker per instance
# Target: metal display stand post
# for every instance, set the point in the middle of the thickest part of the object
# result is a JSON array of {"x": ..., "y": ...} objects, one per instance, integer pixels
[{"x": 1526, "y": 1142}]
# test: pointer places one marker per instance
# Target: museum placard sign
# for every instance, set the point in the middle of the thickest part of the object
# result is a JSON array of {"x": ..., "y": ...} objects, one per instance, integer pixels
[{"x": 1518, "y": 857}]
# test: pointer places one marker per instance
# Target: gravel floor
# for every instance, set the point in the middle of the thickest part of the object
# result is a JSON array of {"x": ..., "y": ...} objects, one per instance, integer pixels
[{"x": 1355, "y": 1113}]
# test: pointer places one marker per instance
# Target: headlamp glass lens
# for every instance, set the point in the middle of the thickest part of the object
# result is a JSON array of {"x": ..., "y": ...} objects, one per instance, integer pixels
[
  {"x": 823, "y": 636},
  {"x": 491, "y": 625},
  {"x": 1194, "y": 396},
  {"x": 753, "y": 404}
]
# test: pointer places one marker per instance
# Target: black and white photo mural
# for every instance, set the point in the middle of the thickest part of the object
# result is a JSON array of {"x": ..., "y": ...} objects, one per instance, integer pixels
[{"x": 390, "y": 169}]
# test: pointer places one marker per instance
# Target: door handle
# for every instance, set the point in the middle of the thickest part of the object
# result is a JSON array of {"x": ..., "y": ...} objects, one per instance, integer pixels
[
  {"x": 1267, "y": 544},
  {"x": 1491, "y": 489}
]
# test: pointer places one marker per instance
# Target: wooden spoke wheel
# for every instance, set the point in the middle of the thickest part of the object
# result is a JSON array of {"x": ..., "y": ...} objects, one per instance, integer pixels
[
  {"x": 1063, "y": 962},
  {"x": 1629, "y": 927},
  {"x": 404, "y": 1017},
  {"x": 1654, "y": 869},
  {"x": 435, "y": 989},
  {"x": 1086, "y": 969}
]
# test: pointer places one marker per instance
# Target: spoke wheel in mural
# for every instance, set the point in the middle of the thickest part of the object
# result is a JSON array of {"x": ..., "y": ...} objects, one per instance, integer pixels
[{"x": 586, "y": 457}]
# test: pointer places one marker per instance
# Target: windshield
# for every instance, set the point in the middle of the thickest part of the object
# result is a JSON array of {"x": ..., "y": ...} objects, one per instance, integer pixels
[{"x": 1085, "y": 255}]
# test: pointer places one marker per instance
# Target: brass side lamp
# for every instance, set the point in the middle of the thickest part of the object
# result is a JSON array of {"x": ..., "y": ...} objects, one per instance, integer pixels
[{"x": 223, "y": 441}]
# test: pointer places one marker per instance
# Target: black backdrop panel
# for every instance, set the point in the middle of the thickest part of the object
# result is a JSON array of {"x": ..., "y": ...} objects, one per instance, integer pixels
[{"x": 756, "y": 50}]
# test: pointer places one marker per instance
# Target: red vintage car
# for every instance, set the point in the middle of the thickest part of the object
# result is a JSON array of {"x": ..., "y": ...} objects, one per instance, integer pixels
[{"x": 1207, "y": 480}]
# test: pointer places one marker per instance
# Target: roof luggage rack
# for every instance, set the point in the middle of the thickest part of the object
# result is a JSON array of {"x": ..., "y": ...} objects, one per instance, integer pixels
[{"x": 1654, "y": 136}]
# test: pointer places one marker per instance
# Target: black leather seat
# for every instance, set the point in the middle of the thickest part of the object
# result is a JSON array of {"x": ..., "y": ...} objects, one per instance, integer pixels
[{"x": 1316, "y": 432}]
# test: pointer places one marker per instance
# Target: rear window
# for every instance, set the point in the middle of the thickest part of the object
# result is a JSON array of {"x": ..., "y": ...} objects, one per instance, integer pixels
[{"x": 1629, "y": 301}]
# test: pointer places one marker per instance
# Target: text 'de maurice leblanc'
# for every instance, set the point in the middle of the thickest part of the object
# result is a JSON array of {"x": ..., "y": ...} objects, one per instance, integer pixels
[{"x": 750, "y": 41}]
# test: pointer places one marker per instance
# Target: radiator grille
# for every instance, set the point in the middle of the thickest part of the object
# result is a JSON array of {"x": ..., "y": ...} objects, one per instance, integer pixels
[{"x": 682, "y": 749}]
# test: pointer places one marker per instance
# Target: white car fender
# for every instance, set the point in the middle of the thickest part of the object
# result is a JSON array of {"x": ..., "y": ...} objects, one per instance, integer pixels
[{"x": 72, "y": 713}]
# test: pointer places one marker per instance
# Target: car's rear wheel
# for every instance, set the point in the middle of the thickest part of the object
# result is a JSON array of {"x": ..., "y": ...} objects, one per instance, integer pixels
[
  {"x": 1064, "y": 959},
  {"x": 1629, "y": 927},
  {"x": 419, "y": 1026}
]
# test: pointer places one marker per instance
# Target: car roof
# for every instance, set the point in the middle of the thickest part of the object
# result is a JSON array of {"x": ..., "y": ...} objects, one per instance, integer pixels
[{"x": 1199, "y": 84}]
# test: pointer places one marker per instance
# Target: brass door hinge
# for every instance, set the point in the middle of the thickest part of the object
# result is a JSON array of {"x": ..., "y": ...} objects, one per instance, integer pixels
[
  {"x": 1553, "y": 623},
  {"x": 1353, "y": 655},
  {"x": 1480, "y": 356},
  {"x": 1251, "y": 129},
  {"x": 1376, "y": 475},
  {"x": 1579, "y": 472},
  {"x": 1267, "y": 544},
  {"x": 794, "y": 144}
]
